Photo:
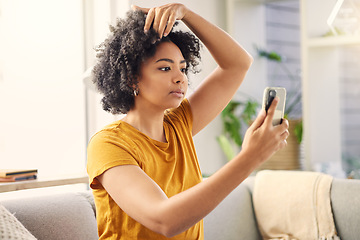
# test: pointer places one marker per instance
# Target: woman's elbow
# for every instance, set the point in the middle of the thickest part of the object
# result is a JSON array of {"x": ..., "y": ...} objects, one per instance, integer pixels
[
  {"x": 171, "y": 230},
  {"x": 165, "y": 230},
  {"x": 165, "y": 227},
  {"x": 168, "y": 222},
  {"x": 242, "y": 64},
  {"x": 249, "y": 61}
]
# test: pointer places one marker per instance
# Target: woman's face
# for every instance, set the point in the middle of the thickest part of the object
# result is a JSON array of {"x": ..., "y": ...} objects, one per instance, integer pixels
[{"x": 163, "y": 82}]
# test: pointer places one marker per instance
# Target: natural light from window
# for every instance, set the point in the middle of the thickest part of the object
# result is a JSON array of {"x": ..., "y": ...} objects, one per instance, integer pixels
[{"x": 41, "y": 90}]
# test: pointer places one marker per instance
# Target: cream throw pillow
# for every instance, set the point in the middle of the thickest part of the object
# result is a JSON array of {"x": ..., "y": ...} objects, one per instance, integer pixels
[{"x": 11, "y": 228}]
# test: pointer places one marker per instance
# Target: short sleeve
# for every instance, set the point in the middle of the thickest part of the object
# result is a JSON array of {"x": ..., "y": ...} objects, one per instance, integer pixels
[{"x": 107, "y": 149}]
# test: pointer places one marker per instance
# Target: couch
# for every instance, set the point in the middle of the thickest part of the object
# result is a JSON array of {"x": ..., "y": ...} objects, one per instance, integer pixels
[{"x": 70, "y": 216}]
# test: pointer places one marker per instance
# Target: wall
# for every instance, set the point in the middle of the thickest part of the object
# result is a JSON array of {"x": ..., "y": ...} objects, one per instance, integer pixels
[
  {"x": 350, "y": 108},
  {"x": 41, "y": 92},
  {"x": 246, "y": 21},
  {"x": 283, "y": 37}
]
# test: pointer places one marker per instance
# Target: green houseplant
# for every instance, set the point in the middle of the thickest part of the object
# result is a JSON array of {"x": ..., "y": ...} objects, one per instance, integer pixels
[{"x": 237, "y": 115}]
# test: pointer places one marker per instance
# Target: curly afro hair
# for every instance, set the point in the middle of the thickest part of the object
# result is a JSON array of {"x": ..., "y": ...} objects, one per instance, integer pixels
[{"x": 120, "y": 56}]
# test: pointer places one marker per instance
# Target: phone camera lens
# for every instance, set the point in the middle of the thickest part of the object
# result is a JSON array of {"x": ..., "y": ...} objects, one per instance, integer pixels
[{"x": 272, "y": 93}]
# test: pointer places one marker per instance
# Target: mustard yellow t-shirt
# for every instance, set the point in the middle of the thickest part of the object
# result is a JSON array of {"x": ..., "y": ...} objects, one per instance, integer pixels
[{"x": 172, "y": 165}]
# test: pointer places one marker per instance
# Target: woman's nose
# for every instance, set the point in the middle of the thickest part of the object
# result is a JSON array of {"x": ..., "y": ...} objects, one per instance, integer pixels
[{"x": 179, "y": 77}]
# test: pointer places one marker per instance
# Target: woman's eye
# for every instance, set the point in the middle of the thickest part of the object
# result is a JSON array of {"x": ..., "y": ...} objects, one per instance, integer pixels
[
  {"x": 165, "y": 69},
  {"x": 183, "y": 70}
]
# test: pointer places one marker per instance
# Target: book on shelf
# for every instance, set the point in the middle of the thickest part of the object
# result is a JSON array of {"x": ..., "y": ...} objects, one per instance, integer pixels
[
  {"x": 20, "y": 177},
  {"x": 11, "y": 175},
  {"x": 15, "y": 172}
]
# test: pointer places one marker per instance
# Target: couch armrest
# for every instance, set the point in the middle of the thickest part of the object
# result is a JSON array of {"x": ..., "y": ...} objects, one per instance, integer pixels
[
  {"x": 345, "y": 202},
  {"x": 57, "y": 216}
]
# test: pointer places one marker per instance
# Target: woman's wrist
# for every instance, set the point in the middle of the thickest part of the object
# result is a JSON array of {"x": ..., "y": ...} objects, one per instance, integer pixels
[{"x": 187, "y": 15}]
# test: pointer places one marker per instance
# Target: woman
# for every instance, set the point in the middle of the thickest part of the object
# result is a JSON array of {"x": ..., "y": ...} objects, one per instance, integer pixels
[{"x": 143, "y": 169}]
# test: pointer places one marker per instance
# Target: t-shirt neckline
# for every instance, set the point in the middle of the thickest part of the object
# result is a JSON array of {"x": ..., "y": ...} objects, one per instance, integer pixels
[{"x": 156, "y": 142}]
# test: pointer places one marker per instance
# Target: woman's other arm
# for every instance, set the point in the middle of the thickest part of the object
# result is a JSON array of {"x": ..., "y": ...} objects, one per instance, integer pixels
[{"x": 143, "y": 200}]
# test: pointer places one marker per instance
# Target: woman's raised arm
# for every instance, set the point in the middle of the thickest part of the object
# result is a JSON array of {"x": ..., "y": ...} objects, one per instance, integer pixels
[{"x": 215, "y": 92}]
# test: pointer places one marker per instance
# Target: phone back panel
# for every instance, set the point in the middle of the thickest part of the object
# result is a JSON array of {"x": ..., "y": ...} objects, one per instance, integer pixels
[{"x": 279, "y": 112}]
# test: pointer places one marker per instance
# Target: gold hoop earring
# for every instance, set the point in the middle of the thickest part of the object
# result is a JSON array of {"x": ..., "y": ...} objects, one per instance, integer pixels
[{"x": 136, "y": 92}]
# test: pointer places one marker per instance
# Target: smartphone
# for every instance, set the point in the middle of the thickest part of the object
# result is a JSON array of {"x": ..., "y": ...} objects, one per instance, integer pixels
[{"x": 269, "y": 94}]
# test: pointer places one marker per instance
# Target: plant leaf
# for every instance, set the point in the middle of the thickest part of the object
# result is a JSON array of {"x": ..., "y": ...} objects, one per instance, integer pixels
[
  {"x": 272, "y": 56},
  {"x": 250, "y": 111},
  {"x": 226, "y": 147},
  {"x": 234, "y": 127},
  {"x": 298, "y": 131}
]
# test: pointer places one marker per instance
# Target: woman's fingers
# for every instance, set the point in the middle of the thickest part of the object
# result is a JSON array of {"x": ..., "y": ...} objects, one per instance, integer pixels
[
  {"x": 286, "y": 133},
  {"x": 271, "y": 111},
  {"x": 162, "y": 18},
  {"x": 170, "y": 24},
  {"x": 134, "y": 8},
  {"x": 167, "y": 22},
  {"x": 259, "y": 120},
  {"x": 283, "y": 130},
  {"x": 149, "y": 19},
  {"x": 160, "y": 21}
]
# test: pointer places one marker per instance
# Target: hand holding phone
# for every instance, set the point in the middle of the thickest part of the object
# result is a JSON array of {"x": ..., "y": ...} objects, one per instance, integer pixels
[{"x": 269, "y": 95}]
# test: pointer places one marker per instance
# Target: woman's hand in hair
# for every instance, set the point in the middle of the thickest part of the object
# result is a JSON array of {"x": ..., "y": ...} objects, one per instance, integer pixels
[{"x": 162, "y": 18}]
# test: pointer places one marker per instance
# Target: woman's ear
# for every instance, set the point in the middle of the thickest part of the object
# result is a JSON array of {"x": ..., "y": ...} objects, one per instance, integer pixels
[{"x": 135, "y": 88}]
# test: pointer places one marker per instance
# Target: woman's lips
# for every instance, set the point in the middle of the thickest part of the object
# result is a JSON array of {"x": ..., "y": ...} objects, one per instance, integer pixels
[{"x": 178, "y": 93}]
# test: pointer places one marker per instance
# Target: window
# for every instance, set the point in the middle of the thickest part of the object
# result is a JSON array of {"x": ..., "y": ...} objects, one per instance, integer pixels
[
  {"x": 48, "y": 114},
  {"x": 41, "y": 89}
]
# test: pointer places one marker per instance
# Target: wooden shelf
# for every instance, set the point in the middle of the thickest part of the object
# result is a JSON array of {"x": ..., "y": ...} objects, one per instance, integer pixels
[
  {"x": 43, "y": 182},
  {"x": 334, "y": 41}
]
